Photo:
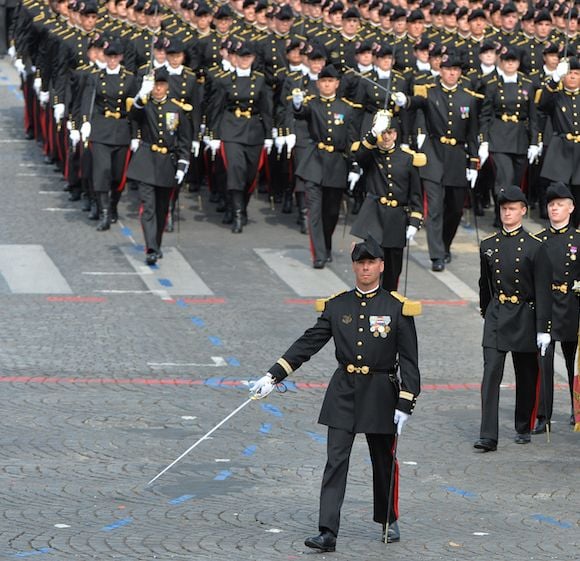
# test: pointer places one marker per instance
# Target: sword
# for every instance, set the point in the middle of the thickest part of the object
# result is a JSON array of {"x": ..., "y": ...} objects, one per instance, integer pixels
[
  {"x": 225, "y": 419},
  {"x": 391, "y": 485}
]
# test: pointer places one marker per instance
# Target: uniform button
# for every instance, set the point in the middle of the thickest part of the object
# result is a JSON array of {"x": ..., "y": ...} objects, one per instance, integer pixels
[
  {"x": 359, "y": 343},
  {"x": 359, "y": 357},
  {"x": 360, "y": 329},
  {"x": 517, "y": 280},
  {"x": 361, "y": 316}
]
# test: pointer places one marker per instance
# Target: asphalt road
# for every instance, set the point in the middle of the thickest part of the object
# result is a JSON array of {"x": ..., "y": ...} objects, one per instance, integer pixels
[{"x": 109, "y": 370}]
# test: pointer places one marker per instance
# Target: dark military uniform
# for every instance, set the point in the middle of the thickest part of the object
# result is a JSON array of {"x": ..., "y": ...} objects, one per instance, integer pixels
[
  {"x": 562, "y": 161},
  {"x": 165, "y": 148},
  {"x": 451, "y": 148},
  {"x": 393, "y": 201},
  {"x": 373, "y": 336},
  {"x": 516, "y": 302},
  {"x": 562, "y": 247},
  {"x": 333, "y": 124}
]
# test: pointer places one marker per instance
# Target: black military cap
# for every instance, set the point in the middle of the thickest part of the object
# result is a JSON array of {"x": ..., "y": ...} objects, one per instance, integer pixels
[
  {"x": 451, "y": 60},
  {"x": 113, "y": 47},
  {"x": 383, "y": 50},
  {"x": 294, "y": 43},
  {"x": 435, "y": 50},
  {"x": 551, "y": 49},
  {"x": 425, "y": 4},
  {"x": 161, "y": 43},
  {"x": 88, "y": 7},
  {"x": 161, "y": 74},
  {"x": 529, "y": 15},
  {"x": 369, "y": 249},
  {"x": 375, "y": 5},
  {"x": 462, "y": 12},
  {"x": 385, "y": 10},
  {"x": 261, "y": 5},
  {"x": 437, "y": 9},
  {"x": 363, "y": 47},
  {"x": 488, "y": 46},
  {"x": 139, "y": 6},
  {"x": 284, "y": 13},
  {"x": 175, "y": 45},
  {"x": 351, "y": 13},
  {"x": 415, "y": 15},
  {"x": 450, "y": 9},
  {"x": 422, "y": 44},
  {"x": 509, "y": 53},
  {"x": 543, "y": 15},
  {"x": 248, "y": 3},
  {"x": 152, "y": 8},
  {"x": 315, "y": 52},
  {"x": 558, "y": 190},
  {"x": 336, "y": 7},
  {"x": 509, "y": 9},
  {"x": 244, "y": 48},
  {"x": 574, "y": 63},
  {"x": 202, "y": 10},
  {"x": 129, "y": 3},
  {"x": 329, "y": 71},
  {"x": 223, "y": 12},
  {"x": 398, "y": 13},
  {"x": 511, "y": 194},
  {"x": 495, "y": 7}
]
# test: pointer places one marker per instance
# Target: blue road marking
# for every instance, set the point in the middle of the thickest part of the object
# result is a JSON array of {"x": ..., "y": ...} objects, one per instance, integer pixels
[
  {"x": 249, "y": 450},
  {"x": 179, "y": 500},
  {"x": 126, "y": 231},
  {"x": 271, "y": 409},
  {"x": 197, "y": 321},
  {"x": 265, "y": 428},
  {"x": 222, "y": 475},
  {"x": 233, "y": 361},
  {"x": 460, "y": 492},
  {"x": 552, "y": 521},
  {"x": 317, "y": 437},
  {"x": 216, "y": 341},
  {"x": 117, "y": 524},
  {"x": 165, "y": 282},
  {"x": 40, "y": 551}
]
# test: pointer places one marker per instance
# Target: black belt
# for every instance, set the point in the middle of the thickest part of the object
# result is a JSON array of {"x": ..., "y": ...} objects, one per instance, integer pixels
[{"x": 368, "y": 371}]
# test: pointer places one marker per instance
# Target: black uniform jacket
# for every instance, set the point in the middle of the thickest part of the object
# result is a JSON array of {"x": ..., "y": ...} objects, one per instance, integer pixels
[
  {"x": 371, "y": 335},
  {"x": 333, "y": 126},
  {"x": 451, "y": 117},
  {"x": 165, "y": 140},
  {"x": 509, "y": 120},
  {"x": 562, "y": 246},
  {"x": 515, "y": 294},
  {"x": 393, "y": 199}
]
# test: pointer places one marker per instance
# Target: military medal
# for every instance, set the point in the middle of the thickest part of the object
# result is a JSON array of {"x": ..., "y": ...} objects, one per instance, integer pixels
[
  {"x": 379, "y": 325},
  {"x": 573, "y": 252},
  {"x": 338, "y": 119},
  {"x": 171, "y": 121}
]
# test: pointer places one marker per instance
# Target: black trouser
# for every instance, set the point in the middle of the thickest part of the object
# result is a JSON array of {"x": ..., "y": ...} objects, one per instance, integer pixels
[
  {"x": 444, "y": 211},
  {"x": 242, "y": 163},
  {"x": 339, "y": 446},
  {"x": 526, "y": 371},
  {"x": 323, "y": 205},
  {"x": 546, "y": 405},
  {"x": 155, "y": 205},
  {"x": 509, "y": 170},
  {"x": 393, "y": 267},
  {"x": 108, "y": 166}
]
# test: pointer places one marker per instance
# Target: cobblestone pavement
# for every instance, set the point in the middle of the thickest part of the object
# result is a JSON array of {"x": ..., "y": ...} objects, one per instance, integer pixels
[{"x": 106, "y": 383}]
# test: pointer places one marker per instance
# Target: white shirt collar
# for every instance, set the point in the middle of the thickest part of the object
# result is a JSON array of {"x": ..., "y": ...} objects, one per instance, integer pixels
[
  {"x": 487, "y": 68},
  {"x": 313, "y": 77},
  {"x": 115, "y": 71},
  {"x": 423, "y": 66},
  {"x": 174, "y": 71},
  {"x": 383, "y": 74},
  {"x": 508, "y": 79},
  {"x": 362, "y": 69},
  {"x": 243, "y": 73},
  {"x": 368, "y": 291}
]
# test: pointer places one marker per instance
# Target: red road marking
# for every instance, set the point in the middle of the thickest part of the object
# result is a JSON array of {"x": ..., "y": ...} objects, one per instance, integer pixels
[
  {"x": 204, "y": 300},
  {"x": 76, "y": 299}
]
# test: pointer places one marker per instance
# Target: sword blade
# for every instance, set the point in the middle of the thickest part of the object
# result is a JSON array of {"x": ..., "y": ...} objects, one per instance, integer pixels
[{"x": 224, "y": 420}]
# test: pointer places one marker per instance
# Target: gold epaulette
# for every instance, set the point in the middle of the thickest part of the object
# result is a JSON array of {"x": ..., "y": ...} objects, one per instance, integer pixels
[
  {"x": 524, "y": 78},
  {"x": 129, "y": 104},
  {"x": 351, "y": 103},
  {"x": 538, "y": 96},
  {"x": 475, "y": 94},
  {"x": 492, "y": 80},
  {"x": 419, "y": 159},
  {"x": 187, "y": 107},
  {"x": 489, "y": 237},
  {"x": 410, "y": 307},
  {"x": 320, "y": 303},
  {"x": 308, "y": 98},
  {"x": 39, "y": 17},
  {"x": 355, "y": 146},
  {"x": 421, "y": 89}
]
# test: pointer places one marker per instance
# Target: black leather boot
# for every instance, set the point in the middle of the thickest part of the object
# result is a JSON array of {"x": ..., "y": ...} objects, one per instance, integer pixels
[
  {"x": 105, "y": 223},
  {"x": 287, "y": 205},
  {"x": 229, "y": 209},
  {"x": 237, "y": 226},
  {"x": 94, "y": 210}
]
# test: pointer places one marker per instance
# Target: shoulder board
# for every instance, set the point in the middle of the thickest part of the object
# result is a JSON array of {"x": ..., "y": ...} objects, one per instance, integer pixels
[
  {"x": 410, "y": 307},
  {"x": 188, "y": 71},
  {"x": 351, "y": 103},
  {"x": 39, "y": 17},
  {"x": 538, "y": 234},
  {"x": 127, "y": 72},
  {"x": 524, "y": 78},
  {"x": 258, "y": 73},
  {"x": 419, "y": 159},
  {"x": 490, "y": 236},
  {"x": 309, "y": 98},
  {"x": 474, "y": 94},
  {"x": 185, "y": 106},
  {"x": 577, "y": 231},
  {"x": 420, "y": 90},
  {"x": 492, "y": 80},
  {"x": 536, "y": 238},
  {"x": 320, "y": 303}
]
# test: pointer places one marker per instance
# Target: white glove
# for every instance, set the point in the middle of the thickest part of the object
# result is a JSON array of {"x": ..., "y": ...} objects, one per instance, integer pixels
[
  {"x": 44, "y": 98},
  {"x": 179, "y": 176},
  {"x": 471, "y": 175},
  {"x": 353, "y": 178},
  {"x": 400, "y": 99},
  {"x": 214, "y": 146},
  {"x": 380, "y": 125},
  {"x": 540, "y": 148},
  {"x": 146, "y": 88},
  {"x": 400, "y": 419},
  {"x": 195, "y": 146},
  {"x": 12, "y": 53},
  {"x": 561, "y": 70},
  {"x": 85, "y": 131},
  {"x": 410, "y": 233},
  {"x": 58, "y": 112},
  {"x": 37, "y": 85},
  {"x": 297, "y": 99},
  {"x": 75, "y": 137},
  {"x": 262, "y": 387},
  {"x": 268, "y": 143},
  {"x": 205, "y": 138},
  {"x": 483, "y": 153},
  {"x": 405, "y": 147},
  {"x": 543, "y": 342},
  {"x": 20, "y": 67},
  {"x": 533, "y": 153},
  {"x": 421, "y": 140},
  {"x": 134, "y": 146},
  {"x": 279, "y": 142},
  {"x": 290, "y": 142}
]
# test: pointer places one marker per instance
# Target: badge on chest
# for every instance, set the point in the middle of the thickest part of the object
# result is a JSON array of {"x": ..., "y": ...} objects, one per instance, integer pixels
[
  {"x": 380, "y": 325},
  {"x": 171, "y": 121}
]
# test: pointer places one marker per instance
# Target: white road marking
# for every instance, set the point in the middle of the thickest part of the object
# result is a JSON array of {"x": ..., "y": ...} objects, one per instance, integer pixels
[{"x": 217, "y": 362}]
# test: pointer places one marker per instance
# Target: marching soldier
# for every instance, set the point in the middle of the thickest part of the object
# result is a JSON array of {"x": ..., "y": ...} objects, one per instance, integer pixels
[
  {"x": 451, "y": 148},
  {"x": 374, "y": 334},
  {"x": 333, "y": 124},
  {"x": 105, "y": 109},
  {"x": 393, "y": 209},
  {"x": 161, "y": 160},
  {"x": 516, "y": 304},
  {"x": 562, "y": 241},
  {"x": 560, "y": 98}
]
